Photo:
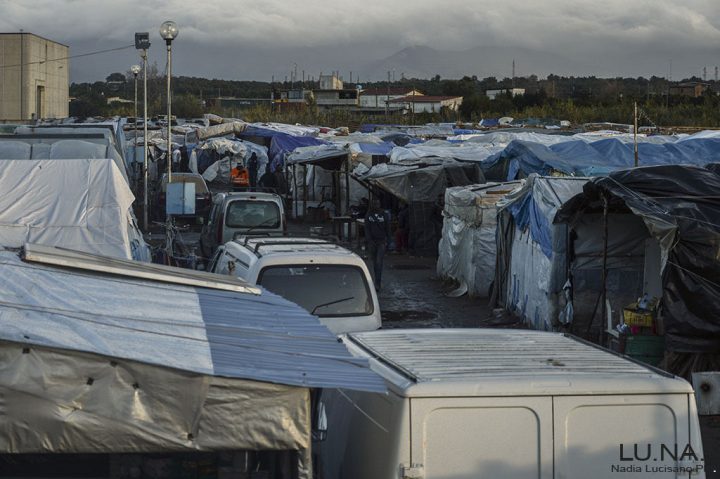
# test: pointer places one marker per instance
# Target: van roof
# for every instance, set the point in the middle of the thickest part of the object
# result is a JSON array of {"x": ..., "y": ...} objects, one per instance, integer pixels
[
  {"x": 492, "y": 362},
  {"x": 262, "y": 246},
  {"x": 260, "y": 195}
]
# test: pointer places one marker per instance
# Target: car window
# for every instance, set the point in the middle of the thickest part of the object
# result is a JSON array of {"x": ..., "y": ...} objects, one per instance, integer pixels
[
  {"x": 323, "y": 290},
  {"x": 249, "y": 214}
]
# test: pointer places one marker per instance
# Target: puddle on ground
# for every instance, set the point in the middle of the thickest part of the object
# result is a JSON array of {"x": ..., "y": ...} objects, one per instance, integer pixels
[
  {"x": 409, "y": 266},
  {"x": 408, "y": 315}
]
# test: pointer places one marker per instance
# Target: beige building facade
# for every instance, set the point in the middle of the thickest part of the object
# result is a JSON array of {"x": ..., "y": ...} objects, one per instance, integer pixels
[{"x": 34, "y": 77}]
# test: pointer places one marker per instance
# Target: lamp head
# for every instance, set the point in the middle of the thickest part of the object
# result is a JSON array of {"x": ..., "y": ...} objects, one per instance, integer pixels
[
  {"x": 135, "y": 69},
  {"x": 169, "y": 31}
]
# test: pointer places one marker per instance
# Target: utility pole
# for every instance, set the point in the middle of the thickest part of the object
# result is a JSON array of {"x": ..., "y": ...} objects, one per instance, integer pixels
[
  {"x": 635, "y": 128},
  {"x": 387, "y": 102},
  {"x": 513, "y": 74},
  {"x": 22, "y": 61}
]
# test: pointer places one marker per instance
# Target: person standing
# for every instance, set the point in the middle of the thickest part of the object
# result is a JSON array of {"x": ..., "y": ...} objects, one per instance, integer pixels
[
  {"x": 377, "y": 235},
  {"x": 403, "y": 229},
  {"x": 253, "y": 169}
]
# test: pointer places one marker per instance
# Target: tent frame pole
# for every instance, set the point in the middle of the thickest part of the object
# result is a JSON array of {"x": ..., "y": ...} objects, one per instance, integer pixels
[{"x": 603, "y": 308}]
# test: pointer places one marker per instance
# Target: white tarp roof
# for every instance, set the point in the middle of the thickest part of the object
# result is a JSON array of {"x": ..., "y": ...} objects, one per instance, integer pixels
[{"x": 81, "y": 204}]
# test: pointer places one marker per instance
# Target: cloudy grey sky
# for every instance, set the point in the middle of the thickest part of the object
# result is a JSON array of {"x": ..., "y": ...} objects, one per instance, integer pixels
[{"x": 243, "y": 39}]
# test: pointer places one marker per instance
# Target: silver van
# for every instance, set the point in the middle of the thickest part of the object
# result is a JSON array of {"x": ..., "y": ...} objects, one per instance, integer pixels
[
  {"x": 327, "y": 280},
  {"x": 242, "y": 213}
]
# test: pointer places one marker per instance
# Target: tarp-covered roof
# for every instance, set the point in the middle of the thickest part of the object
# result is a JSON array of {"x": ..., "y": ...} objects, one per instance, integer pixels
[
  {"x": 282, "y": 144},
  {"x": 582, "y": 158},
  {"x": 423, "y": 183},
  {"x": 205, "y": 331}
]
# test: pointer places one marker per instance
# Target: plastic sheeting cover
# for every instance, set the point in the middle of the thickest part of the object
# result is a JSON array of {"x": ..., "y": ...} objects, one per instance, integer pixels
[
  {"x": 63, "y": 401},
  {"x": 77, "y": 204},
  {"x": 680, "y": 208},
  {"x": 211, "y": 332},
  {"x": 535, "y": 205},
  {"x": 467, "y": 250}
]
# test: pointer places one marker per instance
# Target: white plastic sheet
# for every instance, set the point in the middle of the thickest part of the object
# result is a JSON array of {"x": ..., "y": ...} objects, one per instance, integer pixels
[
  {"x": 76, "y": 204},
  {"x": 467, "y": 250}
]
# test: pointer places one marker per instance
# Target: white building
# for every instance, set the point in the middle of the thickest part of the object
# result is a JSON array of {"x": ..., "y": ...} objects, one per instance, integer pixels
[
  {"x": 336, "y": 98},
  {"x": 376, "y": 97},
  {"x": 429, "y": 104},
  {"x": 34, "y": 77},
  {"x": 492, "y": 94},
  {"x": 330, "y": 82}
]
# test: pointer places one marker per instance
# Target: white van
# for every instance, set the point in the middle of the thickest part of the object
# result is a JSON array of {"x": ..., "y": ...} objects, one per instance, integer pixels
[
  {"x": 239, "y": 213},
  {"x": 327, "y": 280},
  {"x": 484, "y": 403}
]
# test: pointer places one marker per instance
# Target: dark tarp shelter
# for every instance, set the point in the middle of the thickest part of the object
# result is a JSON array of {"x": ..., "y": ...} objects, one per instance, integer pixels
[
  {"x": 680, "y": 207},
  {"x": 423, "y": 189}
]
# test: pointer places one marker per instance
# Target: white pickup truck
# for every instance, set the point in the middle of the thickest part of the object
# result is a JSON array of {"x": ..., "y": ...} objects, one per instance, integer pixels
[{"x": 483, "y": 403}]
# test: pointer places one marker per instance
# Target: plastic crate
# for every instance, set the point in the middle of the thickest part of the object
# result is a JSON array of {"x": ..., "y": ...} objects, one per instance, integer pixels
[
  {"x": 634, "y": 317},
  {"x": 646, "y": 348}
]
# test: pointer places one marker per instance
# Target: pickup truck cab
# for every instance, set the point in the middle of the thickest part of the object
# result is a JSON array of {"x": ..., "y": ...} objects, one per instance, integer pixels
[
  {"x": 242, "y": 213},
  {"x": 327, "y": 280}
]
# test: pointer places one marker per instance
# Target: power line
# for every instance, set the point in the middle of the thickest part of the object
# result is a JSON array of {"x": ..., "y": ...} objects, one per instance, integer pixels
[{"x": 98, "y": 52}]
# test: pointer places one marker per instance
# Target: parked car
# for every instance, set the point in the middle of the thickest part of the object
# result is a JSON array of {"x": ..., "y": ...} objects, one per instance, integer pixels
[
  {"x": 324, "y": 278},
  {"x": 242, "y": 213},
  {"x": 477, "y": 403},
  {"x": 203, "y": 197}
]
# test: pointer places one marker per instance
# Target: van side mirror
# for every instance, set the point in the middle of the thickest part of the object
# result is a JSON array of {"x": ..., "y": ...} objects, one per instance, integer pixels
[{"x": 319, "y": 431}]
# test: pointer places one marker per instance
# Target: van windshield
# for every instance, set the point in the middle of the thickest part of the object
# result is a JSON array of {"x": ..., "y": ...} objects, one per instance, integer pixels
[
  {"x": 323, "y": 290},
  {"x": 249, "y": 214}
]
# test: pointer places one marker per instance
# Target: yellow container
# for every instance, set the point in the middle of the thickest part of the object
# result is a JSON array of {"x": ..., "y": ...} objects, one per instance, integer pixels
[{"x": 633, "y": 317}]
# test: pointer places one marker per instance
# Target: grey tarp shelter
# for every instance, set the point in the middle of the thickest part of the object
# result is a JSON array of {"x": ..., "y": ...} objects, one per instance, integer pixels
[{"x": 193, "y": 362}]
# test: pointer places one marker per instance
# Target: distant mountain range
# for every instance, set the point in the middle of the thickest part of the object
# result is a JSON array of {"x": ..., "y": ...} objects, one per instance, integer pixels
[{"x": 483, "y": 61}]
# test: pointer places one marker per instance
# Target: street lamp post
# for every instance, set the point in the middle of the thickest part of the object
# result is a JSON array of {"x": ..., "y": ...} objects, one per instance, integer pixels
[
  {"x": 168, "y": 32},
  {"x": 142, "y": 43},
  {"x": 135, "y": 69}
]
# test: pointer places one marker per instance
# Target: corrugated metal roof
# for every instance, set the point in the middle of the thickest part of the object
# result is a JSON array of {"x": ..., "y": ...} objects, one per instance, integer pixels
[
  {"x": 474, "y": 354},
  {"x": 223, "y": 333}
]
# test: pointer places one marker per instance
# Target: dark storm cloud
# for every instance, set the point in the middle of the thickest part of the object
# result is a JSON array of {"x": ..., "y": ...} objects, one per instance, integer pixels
[{"x": 244, "y": 39}]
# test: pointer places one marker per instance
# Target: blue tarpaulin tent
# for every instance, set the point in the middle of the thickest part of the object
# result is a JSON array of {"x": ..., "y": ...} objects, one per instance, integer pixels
[
  {"x": 580, "y": 158},
  {"x": 282, "y": 144}
]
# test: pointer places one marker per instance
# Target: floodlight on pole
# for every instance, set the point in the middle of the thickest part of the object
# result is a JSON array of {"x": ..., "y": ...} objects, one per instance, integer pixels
[
  {"x": 168, "y": 32},
  {"x": 142, "y": 43},
  {"x": 135, "y": 69}
]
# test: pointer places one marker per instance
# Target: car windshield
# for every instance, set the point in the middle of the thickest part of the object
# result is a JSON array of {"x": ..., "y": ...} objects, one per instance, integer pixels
[
  {"x": 249, "y": 214},
  {"x": 323, "y": 290}
]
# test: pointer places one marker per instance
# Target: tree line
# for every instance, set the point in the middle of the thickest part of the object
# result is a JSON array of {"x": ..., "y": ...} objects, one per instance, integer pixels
[{"x": 577, "y": 99}]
